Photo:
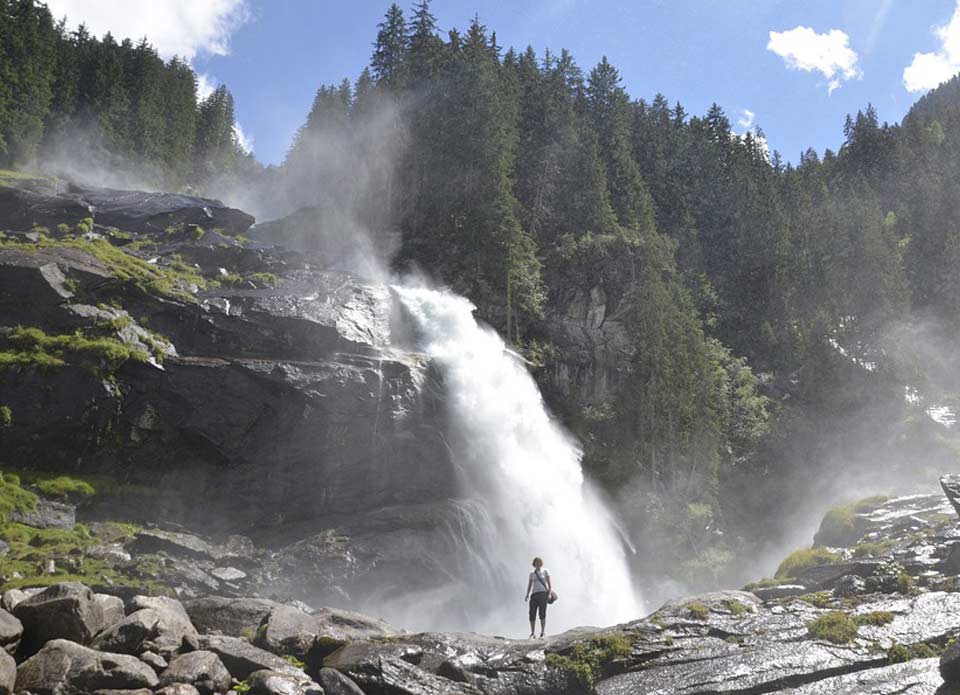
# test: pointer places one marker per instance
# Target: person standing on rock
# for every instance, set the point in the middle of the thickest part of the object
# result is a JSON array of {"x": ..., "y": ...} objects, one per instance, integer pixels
[{"x": 542, "y": 587}]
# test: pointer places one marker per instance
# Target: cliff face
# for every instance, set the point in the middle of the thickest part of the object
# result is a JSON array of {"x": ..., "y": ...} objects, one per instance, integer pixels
[{"x": 215, "y": 382}]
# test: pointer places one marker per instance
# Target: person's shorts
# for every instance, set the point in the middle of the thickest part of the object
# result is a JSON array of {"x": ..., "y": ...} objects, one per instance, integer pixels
[{"x": 538, "y": 603}]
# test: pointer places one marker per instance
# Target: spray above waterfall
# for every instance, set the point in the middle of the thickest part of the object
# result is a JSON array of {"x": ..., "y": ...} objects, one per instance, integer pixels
[{"x": 520, "y": 475}]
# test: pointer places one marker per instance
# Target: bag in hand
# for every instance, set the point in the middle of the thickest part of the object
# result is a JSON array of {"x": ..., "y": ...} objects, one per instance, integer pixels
[{"x": 552, "y": 597}]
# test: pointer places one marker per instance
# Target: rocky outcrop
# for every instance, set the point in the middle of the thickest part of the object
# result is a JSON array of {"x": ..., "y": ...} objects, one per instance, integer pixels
[
  {"x": 68, "y": 611},
  {"x": 63, "y": 667}
]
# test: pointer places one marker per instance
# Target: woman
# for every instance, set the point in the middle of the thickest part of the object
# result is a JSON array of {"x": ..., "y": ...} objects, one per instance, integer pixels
[{"x": 542, "y": 586}]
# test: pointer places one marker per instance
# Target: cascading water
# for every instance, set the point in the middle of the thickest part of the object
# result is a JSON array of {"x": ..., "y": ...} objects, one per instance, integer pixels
[{"x": 521, "y": 477}]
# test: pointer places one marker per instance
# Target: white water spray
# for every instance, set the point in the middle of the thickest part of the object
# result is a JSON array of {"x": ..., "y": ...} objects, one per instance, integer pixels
[{"x": 523, "y": 472}]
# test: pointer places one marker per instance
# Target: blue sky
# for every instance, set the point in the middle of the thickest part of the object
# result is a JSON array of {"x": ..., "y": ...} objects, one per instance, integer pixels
[{"x": 826, "y": 58}]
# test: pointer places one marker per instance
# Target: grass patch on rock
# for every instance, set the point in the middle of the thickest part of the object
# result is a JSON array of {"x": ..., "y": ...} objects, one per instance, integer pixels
[
  {"x": 697, "y": 611},
  {"x": 836, "y": 627},
  {"x": 590, "y": 658},
  {"x": 32, "y": 346},
  {"x": 804, "y": 559},
  {"x": 875, "y": 618}
]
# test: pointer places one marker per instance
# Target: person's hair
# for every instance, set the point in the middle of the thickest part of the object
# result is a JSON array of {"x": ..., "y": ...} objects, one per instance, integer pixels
[{"x": 537, "y": 562}]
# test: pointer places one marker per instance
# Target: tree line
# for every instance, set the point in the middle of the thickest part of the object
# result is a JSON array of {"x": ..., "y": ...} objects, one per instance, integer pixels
[{"x": 68, "y": 94}]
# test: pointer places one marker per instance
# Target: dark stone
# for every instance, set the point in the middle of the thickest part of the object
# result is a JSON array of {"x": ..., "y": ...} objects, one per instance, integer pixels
[
  {"x": 769, "y": 593},
  {"x": 178, "y": 689},
  {"x": 128, "y": 636},
  {"x": 236, "y": 617},
  {"x": 155, "y": 661},
  {"x": 336, "y": 683},
  {"x": 68, "y": 611},
  {"x": 184, "y": 544},
  {"x": 39, "y": 204},
  {"x": 66, "y": 667},
  {"x": 201, "y": 669},
  {"x": 951, "y": 488},
  {"x": 288, "y": 630},
  {"x": 8, "y": 673},
  {"x": 849, "y": 585},
  {"x": 112, "y": 607},
  {"x": 174, "y": 632},
  {"x": 950, "y": 663},
  {"x": 242, "y": 658}
]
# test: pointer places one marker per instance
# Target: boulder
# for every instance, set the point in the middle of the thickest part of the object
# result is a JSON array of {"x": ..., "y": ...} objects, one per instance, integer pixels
[
  {"x": 62, "y": 611},
  {"x": 132, "y": 635},
  {"x": 157, "y": 662},
  {"x": 288, "y": 630},
  {"x": 67, "y": 667},
  {"x": 178, "y": 689},
  {"x": 172, "y": 543},
  {"x": 8, "y": 673},
  {"x": 11, "y": 630},
  {"x": 47, "y": 514},
  {"x": 235, "y": 617},
  {"x": 242, "y": 658},
  {"x": 273, "y": 683},
  {"x": 201, "y": 669},
  {"x": 12, "y": 597},
  {"x": 175, "y": 632},
  {"x": 336, "y": 683},
  {"x": 112, "y": 607}
]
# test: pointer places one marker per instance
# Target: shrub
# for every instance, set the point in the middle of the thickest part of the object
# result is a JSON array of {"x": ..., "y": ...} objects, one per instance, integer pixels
[
  {"x": 293, "y": 661},
  {"x": 6, "y": 416},
  {"x": 836, "y": 627},
  {"x": 876, "y": 618},
  {"x": 736, "y": 608},
  {"x": 64, "y": 486},
  {"x": 820, "y": 599},
  {"x": 872, "y": 549},
  {"x": 900, "y": 653},
  {"x": 802, "y": 559},
  {"x": 14, "y": 498}
]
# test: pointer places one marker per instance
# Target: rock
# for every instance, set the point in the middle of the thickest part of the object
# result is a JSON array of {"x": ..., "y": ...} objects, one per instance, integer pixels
[
  {"x": 228, "y": 574},
  {"x": 391, "y": 674},
  {"x": 950, "y": 663},
  {"x": 112, "y": 607},
  {"x": 24, "y": 206},
  {"x": 769, "y": 593},
  {"x": 201, "y": 669},
  {"x": 336, "y": 683},
  {"x": 849, "y": 585},
  {"x": 825, "y": 576},
  {"x": 273, "y": 683},
  {"x": 183, "y": 544},
  {"x": 11, "y": 629},
  {"x": 12, "y": 597},
  {"x": 111, "y": 552},
  {"x": 128, "y": 636},
  {"x": 47, "y": 514},
  {"x": 175, "y": 632},
  {"x": 951, "y": 488},
  {"x": 155, "y": 661},
  {"x": 68, "y": 611},
  {"x": 178, "y": 689},
  {"x": 287, "y": 630},
  {"x": 917, "y": 677},
  {"x": 66, "y": 667},
  {"x": 8, "y": 673},
  {"x": 124, "y": 691},
  {"x": 235, "y": 617},
  {"x": 242, "y": 658}
]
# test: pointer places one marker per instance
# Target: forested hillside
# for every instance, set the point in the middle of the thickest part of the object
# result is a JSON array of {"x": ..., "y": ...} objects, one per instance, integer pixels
[
  {"x": 71, "y": 98},
  {"x": 775, "y": 314}
]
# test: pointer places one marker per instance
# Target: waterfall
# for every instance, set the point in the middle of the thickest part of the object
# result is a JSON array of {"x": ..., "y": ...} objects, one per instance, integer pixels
[{"x": 521, "y": 470}]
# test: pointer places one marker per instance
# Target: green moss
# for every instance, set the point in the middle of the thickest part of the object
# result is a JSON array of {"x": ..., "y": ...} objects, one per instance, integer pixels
[
  {"x": 876, "y": 618},
  {"x": 241, "y": 688},
  {"x": 33, "y": 346},
  {"x": 763, "y": 583},
  {"x": 868, "y": 504},
  {"x": 66, "y": 487},
  {"x": 820, "y": 599},
  {"x": 590, "y": 658},
  {"x": 243, "y": 239},
  {"x": 904, "y": 583},
  {"x": 249, "y": 634},
  {"x": 293, "y": 661},
  {"x": 6, "y": 416},
  {"x": 872, "y": 548},
  {"x": 697, "y": 610},
  {"x": 736, "y": 608},
  {"x": 900, "y": 653},
  {"x": 14, "y": 498},
  {"x": 803, "y": 559},
  {"x": 85, "y": 225},
  {"x": 658, "y": 620},
  {"x": 63, "y": 229},
  {"x": 264, "y": 279},
  {"x": 836, "y": 627}
]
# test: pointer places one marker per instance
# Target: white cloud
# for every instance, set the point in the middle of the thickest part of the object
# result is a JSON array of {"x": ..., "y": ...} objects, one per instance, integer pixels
[
  {"x": 176, "y": 27},
  {"x": 829, "y": 54},
  {"x": 206, "y": 84},
  {"x": 746, "y": 119},
  {"x": 245, "y": 141},
  {"x": 928, "y": 70}
]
